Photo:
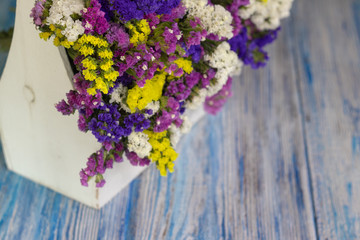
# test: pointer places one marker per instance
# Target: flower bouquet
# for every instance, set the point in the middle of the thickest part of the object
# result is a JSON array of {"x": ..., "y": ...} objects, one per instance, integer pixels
[{"x": 142, "y": 65}]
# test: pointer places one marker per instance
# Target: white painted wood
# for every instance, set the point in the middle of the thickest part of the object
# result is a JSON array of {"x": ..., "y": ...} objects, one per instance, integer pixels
[{"x": 38, "y": 142}]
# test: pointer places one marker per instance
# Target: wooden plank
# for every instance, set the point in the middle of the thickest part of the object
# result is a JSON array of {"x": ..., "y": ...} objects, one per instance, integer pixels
[
  {"x": 240, "y": 175},
  {"x": 328, "y": 64}
]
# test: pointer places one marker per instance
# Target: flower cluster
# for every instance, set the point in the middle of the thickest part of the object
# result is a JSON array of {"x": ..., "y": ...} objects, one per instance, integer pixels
[{"x": 141, "y": 64}]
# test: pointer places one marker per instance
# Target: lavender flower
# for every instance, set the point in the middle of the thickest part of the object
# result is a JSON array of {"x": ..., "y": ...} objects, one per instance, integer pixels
[
  {"x": 178, "y": 90},
  {"x": 118, "y": 34},
  {"x": 234, "y": 10},
  {"x": 94, "y": 19},
  {"x": 172, "y": 115},
  {"x": 100, "y": 161},
  {"x": 214, "y": 103},
  {"x": 37, "y": 12},
  {"x": 135, "y": 160}
]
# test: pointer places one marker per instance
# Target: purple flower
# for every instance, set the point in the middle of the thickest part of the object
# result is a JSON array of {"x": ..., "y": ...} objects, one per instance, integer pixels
[
  {"x": 107, "y": 126},
  {"x": 118, "y": 152},
  {"x": 100, "y": 169},
  {"x": 84, "y": 182},
  {"x": 37, "y": 12},
  {"x": 205, "y": 79},
  {"x": 79, "y": 100},
  {"x": 91, "y": 163},
  {"x": 101, "y": 183},
  {"x": 107, "y": 145},
  {"x": 152, "y": 19},
  {"x": 135, "y": 160},
  {"x": 64, "y": 108},
  {"x": 178, "y": 90},
  {"x": 195, "y": 51},
  {"x": 233, "y": 8},
  {"x": 109, "y": 163},
  {"x": 195, "y": 38},
  {"x": 118, "y": 34},
  {"x": 118, "y": 158},
  {"x": 171, "y": 38},
  {"x": 80, "y": 83},
  {"x": 105, "y": 7},
  {"x": 250, "y": 48},
  {"x": 214, "y": 103},
  {"x": 82, "y": 123},
  {"x": 94, "y": 19},
  {"x": 192, "y": 79},
  {"x": 126, "y": 80},
  {"x": 136, "y": 9},
  {"x": 166, "y": 118},
  {"x": 177, "y": 12}
]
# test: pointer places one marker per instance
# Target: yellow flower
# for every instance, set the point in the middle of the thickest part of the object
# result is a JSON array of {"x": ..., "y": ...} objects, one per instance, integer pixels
[
  {"x": 89, "y": 75},
  {"x": 106, "y": 65},
  {"x": 100, "y": 84},
  {"x": 139, "y": 32},
  {"x": 111, "y": 75},
  {"x": 45, "y": 35},
  {"x": 99, "y": 71},
  {"x": 170, "y": 166},
  {"x": 86, "y": 50},
  {"x": 56, "y": 41},
  {"x": 162, "y": 152},
  {"x": 67, "y": 44},
  {"x": 89, "y": 64},
  {"x": 91, "y": 91},
  {"x": 58, "y": 33},
  {"x": 152, "y": 91},
  {"x": 184, "y": 64},
  {"x": 144, "y": 27},
  {"x": 105, "y": 54}
]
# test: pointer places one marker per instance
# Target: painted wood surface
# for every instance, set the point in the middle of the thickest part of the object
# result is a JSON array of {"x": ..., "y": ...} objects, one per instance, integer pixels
[
  {"x": 281, "y": 161},
  {"x": 327, "y": 56}
]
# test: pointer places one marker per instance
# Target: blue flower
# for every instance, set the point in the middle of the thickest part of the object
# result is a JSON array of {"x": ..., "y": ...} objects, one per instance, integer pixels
[
  {"x": 136, "y": 9},
  {"x": 250, "y": 49}
]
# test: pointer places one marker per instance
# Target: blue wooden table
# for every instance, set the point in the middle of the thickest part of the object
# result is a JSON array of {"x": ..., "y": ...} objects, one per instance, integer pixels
[{"x": 281, "y": 161}]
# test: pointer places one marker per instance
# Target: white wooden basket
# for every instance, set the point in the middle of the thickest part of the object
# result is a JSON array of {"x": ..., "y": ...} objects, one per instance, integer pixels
[{"x": 38, "y": 142}]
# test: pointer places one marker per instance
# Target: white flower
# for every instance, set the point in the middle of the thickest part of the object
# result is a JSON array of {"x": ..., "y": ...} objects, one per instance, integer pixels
[
  {"x": 154, "y": 106},
  {"x": 197, "y": 100},
  {"x": 266, "y": 15},
  {"x": 176, "y": 133},
  {"x": 186, "y": 125},
  {"x": 60, "y": 13},
  {"x": 138, "y": 142},
  {"x": 215, "y": 19},
  {"x": 72, "y": 31},
  {"x": 119, "y": 95},
  {"x": 227, "y": 64}
]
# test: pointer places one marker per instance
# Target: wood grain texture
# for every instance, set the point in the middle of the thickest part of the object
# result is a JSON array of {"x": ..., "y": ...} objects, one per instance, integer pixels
[
  {"x": 281, "y": 161},
  {"x": 240, "y": 175},
  {"x": 328, "y": 64}
]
